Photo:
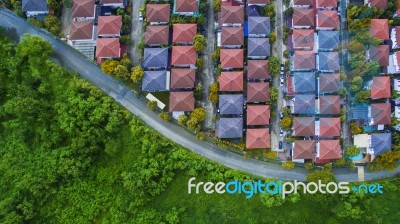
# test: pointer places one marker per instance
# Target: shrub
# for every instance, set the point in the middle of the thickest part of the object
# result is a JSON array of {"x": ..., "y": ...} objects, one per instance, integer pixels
[{"x": 288, "y": 165}]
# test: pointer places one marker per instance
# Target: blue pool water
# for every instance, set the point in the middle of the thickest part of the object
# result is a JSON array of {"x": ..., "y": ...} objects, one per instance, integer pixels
[{"x": 357, "y": 157}]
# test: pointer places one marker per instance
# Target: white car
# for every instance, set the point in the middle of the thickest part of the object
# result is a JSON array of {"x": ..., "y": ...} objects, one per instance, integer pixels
[
  {"x": 140, "y": 16},
  {"x": 281, "y": 132},
  {"x": 282, "y": 81}
]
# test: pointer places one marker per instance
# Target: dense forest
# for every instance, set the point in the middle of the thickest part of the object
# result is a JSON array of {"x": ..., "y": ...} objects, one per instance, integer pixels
[{"x": 71, "y": 155}]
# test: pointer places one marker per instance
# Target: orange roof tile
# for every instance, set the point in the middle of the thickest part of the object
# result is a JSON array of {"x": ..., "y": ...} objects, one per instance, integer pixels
[
  {"x": 183, "y": 55},
  {"x": 232, "y": 36},
  {"x": 157, "y": 13},
  {"x": 380, "y": 87},
  {"x": 303, "y": 17},
  {"x": 304, "y": 149},
  {"x": 187, "y": 5},
  {"x": 181, "y": 101},
  {"x": 258, "y": 114},
  {"x": 379, "y": 29},
  {"x": 231, "y": 81},
  {"x": 156, "y": 35},
  {"x": 328, "y": 19},
  {"x": 329, "y": 149},
  {"x": 83, "y": 8},
  {"x": 182, "y": 78},
  {"x": 258, "y": 138},
  {"x": 109, "y": 25},
  {"x": 257, "y": 91},
  {"x": 329, "y": 127},
  {"x": 304, "y": 126},
  {"x": 81, "y": 31},
  {"x": 232, "y": 14},
  {"x": 184, "y": 33},
  {"x": 108, "y": 48},
  {"x": 303, "y": 38},
  {"x": 257, "y": 69}
]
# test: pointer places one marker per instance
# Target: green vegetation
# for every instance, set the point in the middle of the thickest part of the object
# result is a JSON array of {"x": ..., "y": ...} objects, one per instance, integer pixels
[
  {"x": 199, "y": 41},
  {"x": 351, "y": 150},
  {"x": 213, "y": 95},
  {"x": 288, "y": 165},
  {"x": 274, "y": 64}
]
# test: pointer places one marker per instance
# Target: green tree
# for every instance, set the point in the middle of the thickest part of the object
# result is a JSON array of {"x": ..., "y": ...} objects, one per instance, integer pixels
[
  {"x": 217, "y": 6},
  {"x": 273, "y": 93},
  {"x": 269, "y": 10},
  {"x": 52, "y": 24},
  {"x": 325, "y": 176},
  {"x": 199, "y": 114},
  {"x": 199, "y": 41},
  {"x": 109, "y": 66},
  {"x": 182, "y": 119},
  {"x": 286, "y": 123},
  {"x": 152, "y": 105},
  {"x": 351, "y": 150},
  {"x": 356, "y": 84},
  {"x": 215, "y": 55},
  {"x": 213, "y": 93},
  {"x": 363, "y": 96},
  {"x": 193, "y": 124},
  {"x": 121, "y": 72},
  {"x": 309, "y": 166},
  {"x": 385, "y": 161},
  {"x": 274, "y": 64},
  {"x": 137, "y": 74},
  {"x": 355, "y": 47},
  {"x": 343, "y": 92},
  {"x": 165, "y": 116},
  {"x": 272, "y": 37},
  {"x": 34, "y": 50},
  {"x": 355, "y": 128},
  {"x": 288, "y": 165}
]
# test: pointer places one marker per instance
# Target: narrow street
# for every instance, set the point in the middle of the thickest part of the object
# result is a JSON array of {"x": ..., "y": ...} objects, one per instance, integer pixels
[{"x": 136, "y": 35}]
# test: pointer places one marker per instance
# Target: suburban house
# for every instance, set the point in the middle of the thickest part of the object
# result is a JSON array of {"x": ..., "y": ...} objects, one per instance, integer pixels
[
  {"x": 156, "y": 36},
  {"x": 253, "y": 10},
  {"x": 328, "y": 127},
  {"x": 380, "y": 114},
  {"x": 302, "y": 39},
  {"x": 155, "y": 58},
  {"x": 157, "y": 14},
  {"x": 258, "y": 115},
  {"x": 183, "y": 56},
  {"x": 109, "y": 26},
  {"x": 229, "y": 128},
  {"x": 303, "y": 149},
  {"x": 395, "y": 37},
  {"x": 231, "y": 104},
  {"x": 257, "y": 70},
  {"x": 303, "y": 61},
  {"x": 259, "y": 26},
  {"x": 232, "y": 15},
  {"x": 181, "y": 101},
  {"x": 379, "y": 29},
  {"x": 258, "y": 138},
  {"x": 186, "y": 7},
  {"x": 303, "y": 18},
  {"x": 379, "y": 4},
  {"x": 81, "y": 31},
  {"x": 304, "y": 126},
  {"x": 302, "y": 3},
  {"x": 328, "y": 40},
  {"x": 33, "y": 8},
  {"x": 258, "y": 2},
  {"x": 257, "y": 92},
  {"x": 326, "y": 4},
  {"x": 328, "y": 61},
  {"x": 231, "y": 81},
  {"x": 83, "y": 10},
  {"x": 183, "y": 78},
  {"x": 258, "y": 48},
  {"x": 183, "y": 34},
  {"x": 112, "y": 3},
  {"x": 328, "y": 150},
  {"x": 373, "y": 144},
  {"x": 301, "y": 82},
  {"x": 329, "y": 104},
  {"x": 231, "y": 58},
  {"x": 394, "y": 63},
  {"x": 155, "y": 81},
  {"x": 380, "y": 87},
  {"x": 380, "y": 54},
  {"x": 329, "y": 83},
  {"x": 107, "y": 48},
  {"x": 327, "y": 20},
  {"x": 231, "y": 37},
  {"x": 303, "y": 104}
]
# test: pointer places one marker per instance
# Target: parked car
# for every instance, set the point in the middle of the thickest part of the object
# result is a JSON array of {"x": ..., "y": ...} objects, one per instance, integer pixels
[
  {"x": 281, "y": 115},
  {"x": 282, "y": 81},
  {"x": 140, "y": 16},
  {"x": 282, "y": 67},
  {"x": 280, "y": 144},
  {"x": 281, "y": 132}
]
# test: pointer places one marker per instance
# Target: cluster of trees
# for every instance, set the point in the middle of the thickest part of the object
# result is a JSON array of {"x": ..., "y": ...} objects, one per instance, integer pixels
[
  {"x": 274, "y": 64},
  {"x": 193, "y": 122},
  {"x": 121, "y": 69},
  {"x": 125, "y": 37},
  {"x": 199, "y": 42},
  {"x": 213, "y": 95},
  {"x": 287, "y": 120}
]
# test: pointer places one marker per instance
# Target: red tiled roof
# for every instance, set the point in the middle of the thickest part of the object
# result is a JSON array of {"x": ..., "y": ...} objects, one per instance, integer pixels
[
  {"x": 187, "y": 5},
  {"x": 231, "y": 81},
  {"x": 380, "y": 87},
  {"x": 108, "y": 48},
  {"x": 328, "y": 19},
  {"x": 156, "y": 35},
  {"x": 81, "y": 30},
  {"x": 380, "y": 54},
  {"x": 232, "y": 36},
  {"x": 232, "y": 14},
  {"x": 379, "y": 4},
  {"x": 303, "y": 38},
  {"x": 231, "y": 58},
  {"x": 258, "y": 114},
  {"x": 329, "y": 149},
  {"x": 110, "y": 1},
  {"x": 183, "y": 55},
  {"x": 257, "y": 69},
  {"x": 157, "y": 13},
  {"x": 304, "y": 126},
  {"x": 304, "y": 149},
  {"x": 303, "y": 17},
  {"x": 181, "y": 101},
  {"x": 329, "y": 104},
  {"x": 398, "y": 8},
  {"x": 182, "y": 78},
  {"x": 379, "y": 29},
  {"x": 397, "y": 29},
  {"x": 109, "y": 25},
  {"x": 303, "y": 2},
  {"x": 329, "y": 126},
  {"x": 304, "y": 60},
  {"x": 258, "y": 1},
  {"x": 258, "y": 138},
  {"x": 184, "y": 33},
  {"x": 83, "y": 8},
  {"x": 327, "y": 3},
  {"x": 257, "y": 91},
  {"x": 381, "y": 113}
]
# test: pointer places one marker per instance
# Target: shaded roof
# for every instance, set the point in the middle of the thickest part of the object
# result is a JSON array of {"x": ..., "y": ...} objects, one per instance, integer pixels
[
  {"x": 182, "y": 78},
  {"x": 34, "y": 5},
  {"x": 304, "y": 149},
  {"x": 326, "y": 3},
  {"x": 303, "y": 38},
  {"x": 108, "y": 48},
  {"x": 329, "y": 82},
  {"x": 379, "y": 4},
  {"x": 328, "y": 39},
  {"x": 328, "y": 61},
  {"x": 184, "y": 33},
  {"x": 259, "y": 25},
  {"x": 156, "y": 35},
  {"x": 232, "y": 36},
  {"x": 304, "y": 82},
  {"x": 231, "y": 58},
  {"x": 82, "y": 8},
  {"x": 257, "y": 91},
  {"x": 303, "y": 2},
  {"x": 229, "y": 128},
  {"x": 381, "y": 142},
  {"x": 253, "y": 10},
  {"x": 258, "y": 1},
  {"x": 303, "y": 17},
  {"x": 258, "y": 47},
  {"x": 257, "y": 69},
  {"x": 232, "y": 14},
  {"x": 231, "y": 104},
  {"x": 181, "y": 101},
  {"x": 231, "y": 81},
  {"x": 303, "y": 60},
  {"x": 258, "y": 138},
  {"x": 157, "y": 13},
  {"x": 258, "y": 114},
  {"x": 380, "y": 87},
  {"x": 380, "y": 54},
  {"x": 155, "y": 57},
  {"x": 381, "y": 113},
  {"x": 328, "y": 19},
  {"x": 154, "y": 81},
  {"x": 329, "y": 126},
  {"x": 304, "y": 104},
  {"x": 187, "y": 5},
  {"x": 329, "y": 104},
  {"x": 329, "y": 149},
  {"x": 379, "y": 29},
  {"x": 304, "y": 126},
  {"x": 359, "y": 112},
  {"x": 109, "y": 25},
  {"x": 81, "y": 30},
  {"x": 183, "y": 55}
]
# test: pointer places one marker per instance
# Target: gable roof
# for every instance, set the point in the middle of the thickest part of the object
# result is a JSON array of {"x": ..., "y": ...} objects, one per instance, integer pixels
[
  {"x": 231, "y": 104},
  {"x": 258, "y": 138},
  {"x": 182, "y": 78},
  {"x": 327, "y": 3},
  {"x": 303, "y": 38},
  {"x": 257, "y": 69},
  {"x": 154, "y": 81},
  {"x": 156, "y": 35},
  {"x": 108, "y": 48},
  {"x": 303, "y": 60},
  {"x": 328, "y": 39},
  {"x": 258, "y": 47},
  {"x": 329, "y": 82},
  {"x": 229, "y": 128},
  {"x": 231, "y": 81},
  {"x": 379, "y": 29},
  {"x": 82, "y": 8},
  {"x": 81, "y": 30},
  {"x": 329, "y": 149},
  {"x": 109, "y": 25},
  {"x": 380, "y": 54},
  {"x": 329, "y": 104},
  {"x": 184, "y": 33},
  {"x": 34, "y": 5},
  {"x": 381, "y": 113},
  {"x": 304, "y": 104},
  {"x": 181, "y": 101},
  {"x": 381, "y": 142},
  {"x": 258, "y": 114},
  {"x": 232, "y": 36},
  {"x": 303, "y": 17},
  {"x": 328, "y": 61},
  {"x": 259, "y": 25},
  {"x": 231, "y": 58},
  {"x": 304, "y": 82},
  {"x": 328, "y": 19},
  {"x": 183, "y": 55},
  {"x": 329, "y": 126},
  {"x": 380, "y": 87},
  {"x": 304, "y": 126},
  {"x": 304, "y": 149},
  {"x": 157, "y": 13},
  {"x": 187, "y": 5},
  {"x": 379, "y": 4},
  {"x": 257, "y": 91},
  {"x": 303, "y": 2},
  {"x": 232, "y": 14},
  {"x": 155, "y": 58}
]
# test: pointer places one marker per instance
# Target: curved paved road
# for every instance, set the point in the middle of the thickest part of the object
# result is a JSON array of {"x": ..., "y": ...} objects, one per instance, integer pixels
[{"x": 77, "y": 62}]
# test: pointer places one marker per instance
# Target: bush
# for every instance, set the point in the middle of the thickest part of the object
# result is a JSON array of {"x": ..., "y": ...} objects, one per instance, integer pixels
[
  {"x": 200, "y": 136},
  {"x": 165, "y": 116},
  {"x": 309, "y": 166},
  {"x": 152, "y": 105},
  {"x": 288, "y": 165}
]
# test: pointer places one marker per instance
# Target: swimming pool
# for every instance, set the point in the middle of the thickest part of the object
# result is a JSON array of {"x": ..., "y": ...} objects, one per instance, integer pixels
[{"x": 357, "y": 157}]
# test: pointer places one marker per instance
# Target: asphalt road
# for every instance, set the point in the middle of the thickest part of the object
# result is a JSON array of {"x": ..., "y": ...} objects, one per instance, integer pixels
[
  {"x": 136, "y": 34},
  {"x": 72, "y": 59}
]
